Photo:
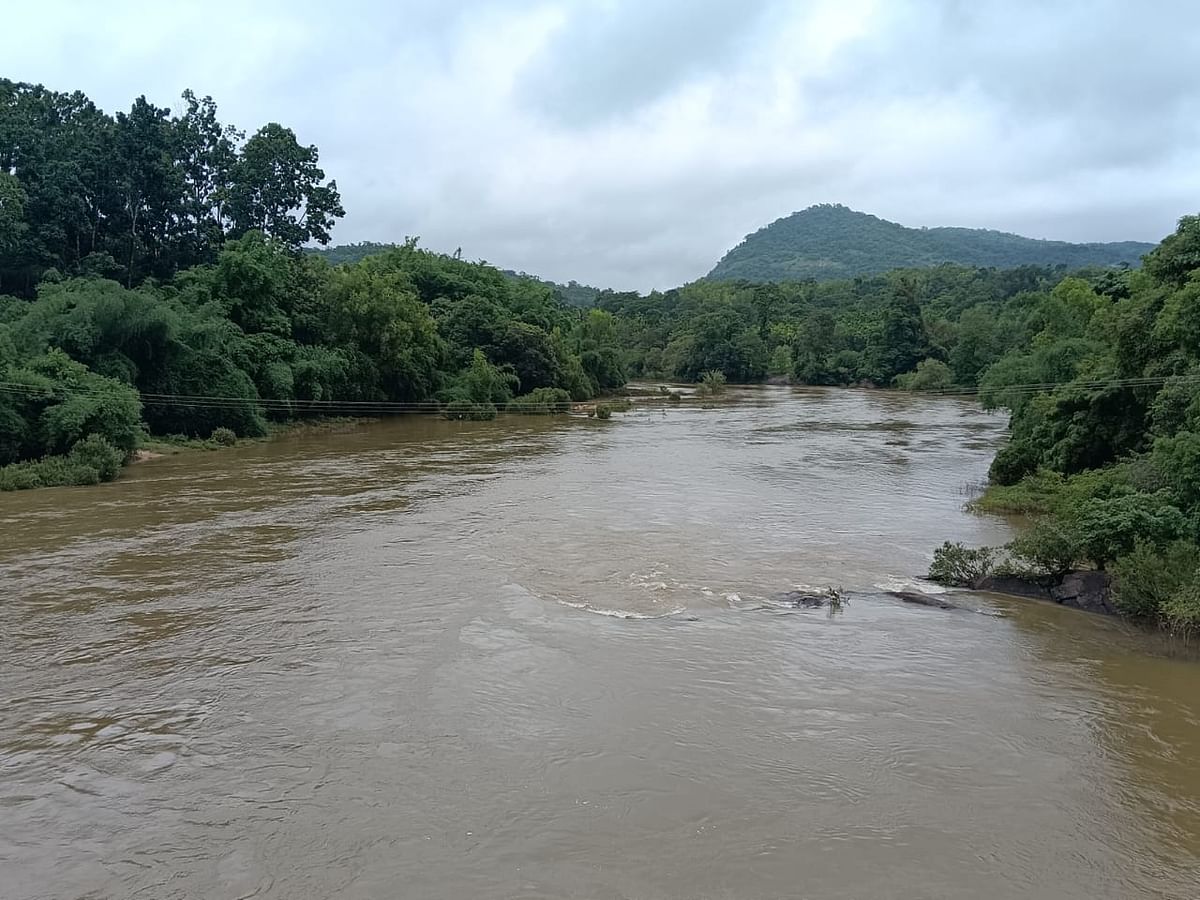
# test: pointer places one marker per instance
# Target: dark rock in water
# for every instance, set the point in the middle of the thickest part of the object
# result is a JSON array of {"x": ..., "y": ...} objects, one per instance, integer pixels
[
  {"x": 920, "y": 599},
  {"x": 800, "y": 599},
  {"x": 1033, "y": 588},
  {"x": 1088, "y": 591}
]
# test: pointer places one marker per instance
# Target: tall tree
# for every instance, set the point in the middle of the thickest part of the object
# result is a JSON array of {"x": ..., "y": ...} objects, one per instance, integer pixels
[
  {"x": 278, "y": 188},
  {"x": 150, "y": 186},
  {"x": 205, "y": 152}
]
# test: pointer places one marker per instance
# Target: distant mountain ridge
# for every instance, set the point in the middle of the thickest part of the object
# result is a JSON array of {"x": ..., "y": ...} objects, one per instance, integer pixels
[
  {"x": 573, "y": 293},
  {"x": 831, "y": 241}
]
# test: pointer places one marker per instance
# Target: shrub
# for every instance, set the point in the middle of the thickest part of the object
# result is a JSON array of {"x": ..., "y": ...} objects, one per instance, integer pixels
[
  {"x": 1181, "y": 613},
  {"x": 90, "y": 461},
  {"x": 1014, "y": 462},
  {"x": 542, "y": 401},
  {"x": 1147, "y": 578},
  {"x": 1109, "y": 528},
  {"x": 959, "y": 566},
  {"x": 19, "y": 477},
  {"x": 1050, "y": 547},
  {"x": 604, "y": 411},
  {"x": 712, "y": 382},
  {"x": 460, "y": 410},
  {"x": 223, "y": 436},
  {"x": 930, "y": 375},
  {"x": 94, "y": 452}
]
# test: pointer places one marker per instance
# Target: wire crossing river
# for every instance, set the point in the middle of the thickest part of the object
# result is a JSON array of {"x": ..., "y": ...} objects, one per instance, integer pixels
[{"x": 537, "y": 658}]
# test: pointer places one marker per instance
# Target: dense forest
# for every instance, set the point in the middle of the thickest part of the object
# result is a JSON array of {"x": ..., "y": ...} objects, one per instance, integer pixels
[
  {"x": 828, "y": 242},
  {"x": 572, "y": 293},
  {"x": 156, "y": 286}
]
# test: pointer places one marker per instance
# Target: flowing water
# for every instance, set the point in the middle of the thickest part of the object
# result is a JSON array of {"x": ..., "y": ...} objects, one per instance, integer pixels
[{"x": 536, "y": 658}]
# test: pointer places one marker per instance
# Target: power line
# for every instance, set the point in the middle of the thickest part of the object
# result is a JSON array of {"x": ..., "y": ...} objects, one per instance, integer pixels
[{"x": 16, "y": 388}]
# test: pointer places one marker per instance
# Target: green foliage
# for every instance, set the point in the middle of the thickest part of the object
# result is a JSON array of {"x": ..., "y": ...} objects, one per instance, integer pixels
[
  {"x": 712, "y": 383},
  {"x": 1177, "y": 258},
  {"x": 541, "y": 402},
  {"x": 249, "y": 330},
  {"x": 1050, "y": 547},
  {"x": 144, "y": 193},
  {"x": 462, "y": 409},
  {"x": 1015, "y": 461},
  {"x": 828, "y": 242},
  {"x": 930, "y": 375},
  {"x": 90, "y": 461},
  {"x": 226, "y": 437},
  {"x": 1106, "y": 529},
  {"x": 1147, "y": 578},
  {"x": 604, "y": 411},
  {"x": 959, "y": 566}
]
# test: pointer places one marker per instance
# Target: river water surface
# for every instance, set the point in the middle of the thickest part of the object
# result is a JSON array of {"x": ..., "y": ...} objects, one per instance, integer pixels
[{"x": 536, "y": 658}]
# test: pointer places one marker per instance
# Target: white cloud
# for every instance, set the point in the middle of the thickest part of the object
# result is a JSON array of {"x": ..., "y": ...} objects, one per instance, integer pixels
[{"x": 631, "y": 143}]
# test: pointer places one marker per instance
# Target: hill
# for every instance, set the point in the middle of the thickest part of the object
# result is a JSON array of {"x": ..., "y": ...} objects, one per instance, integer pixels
[
  {"x": 830, "y": 241},
  {"x": 573, "y": 293}
]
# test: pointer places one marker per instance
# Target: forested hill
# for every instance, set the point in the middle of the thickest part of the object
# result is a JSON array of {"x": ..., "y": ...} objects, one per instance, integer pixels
[
  {"x": 573, "y": 293},
  {"x": 830, "y": 241}
]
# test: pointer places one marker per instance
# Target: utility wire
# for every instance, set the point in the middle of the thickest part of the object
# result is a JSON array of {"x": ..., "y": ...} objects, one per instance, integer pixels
[{"x": 24, "y": 389}]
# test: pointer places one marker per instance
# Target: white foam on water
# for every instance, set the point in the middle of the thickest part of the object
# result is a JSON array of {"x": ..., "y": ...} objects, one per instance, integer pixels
[{"x": 619, "y": 613}]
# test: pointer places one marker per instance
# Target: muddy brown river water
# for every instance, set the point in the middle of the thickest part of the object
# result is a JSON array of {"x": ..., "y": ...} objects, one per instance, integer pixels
[{"x": 536, "y": 658}]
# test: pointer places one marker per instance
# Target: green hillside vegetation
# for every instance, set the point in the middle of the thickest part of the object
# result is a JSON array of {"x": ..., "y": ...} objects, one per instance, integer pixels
[
  {"x": 828, "y": 242},
  {"x": 186, "y": 307},
  {"x": 572, "y": 293}
]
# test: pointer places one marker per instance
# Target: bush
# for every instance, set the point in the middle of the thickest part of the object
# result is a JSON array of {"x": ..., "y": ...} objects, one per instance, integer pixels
[
  {"x": 1181, "y": 613},
  {"x": 1109, "y": 528},
  {"x": 542, "y": 402},
  {"x": 604, "y": 411},
  {"x": 94, "y": 452},
  {"x": 930, "y": 375},
  {"x": 90, "y": 461},
  {"x": 712, "y": 382},
  {"x": 19, "y": 477},
  {"x": 1147, "y": 578},
  {"x": 1050, "y": 547},
  {"x": 959, "y": 566},
  {"x": 462, "y": 410},
  {"x": 1013, "y": 463},
  {"x": 223, "y": 436}
]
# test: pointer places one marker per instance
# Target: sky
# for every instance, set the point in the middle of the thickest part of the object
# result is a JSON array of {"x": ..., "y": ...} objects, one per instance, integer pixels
[{"x": 630, "y": 143}]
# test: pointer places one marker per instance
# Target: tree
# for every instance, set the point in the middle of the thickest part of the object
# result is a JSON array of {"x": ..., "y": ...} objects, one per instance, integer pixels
[
  {"x": 150, "y": 187},
  {"x": 278, "y": 188},
  {"x": 205, "y": 151},
  {"x": 1176, "y": 259},
  {"x": 902, "y": 340}
]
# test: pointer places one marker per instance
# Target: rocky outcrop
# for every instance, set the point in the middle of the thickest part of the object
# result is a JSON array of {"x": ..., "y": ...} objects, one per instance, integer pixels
[{"x": 1087, "y": 590}]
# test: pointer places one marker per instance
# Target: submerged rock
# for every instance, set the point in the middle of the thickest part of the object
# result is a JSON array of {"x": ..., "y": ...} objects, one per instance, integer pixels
[
  {"x": 920, "y": 599},
  {"x": 938, "y": 602},
  {"x": 800, "y": 599}
]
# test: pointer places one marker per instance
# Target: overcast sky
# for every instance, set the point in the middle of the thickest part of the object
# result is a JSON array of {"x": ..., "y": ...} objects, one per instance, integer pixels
[{"x": 630, "y": 144}]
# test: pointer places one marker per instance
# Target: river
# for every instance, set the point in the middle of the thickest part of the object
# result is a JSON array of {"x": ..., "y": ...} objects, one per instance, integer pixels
[{"x": 536, "y": 658}]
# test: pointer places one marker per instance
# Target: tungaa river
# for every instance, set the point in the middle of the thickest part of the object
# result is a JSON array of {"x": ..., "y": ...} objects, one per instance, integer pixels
[{"x": 537, "y": 658}]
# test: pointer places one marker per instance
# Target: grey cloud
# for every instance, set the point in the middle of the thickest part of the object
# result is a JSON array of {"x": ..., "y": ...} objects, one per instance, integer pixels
[
  {"x": 611, "y": 59},
  {"x": 630, "y": 143}
]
